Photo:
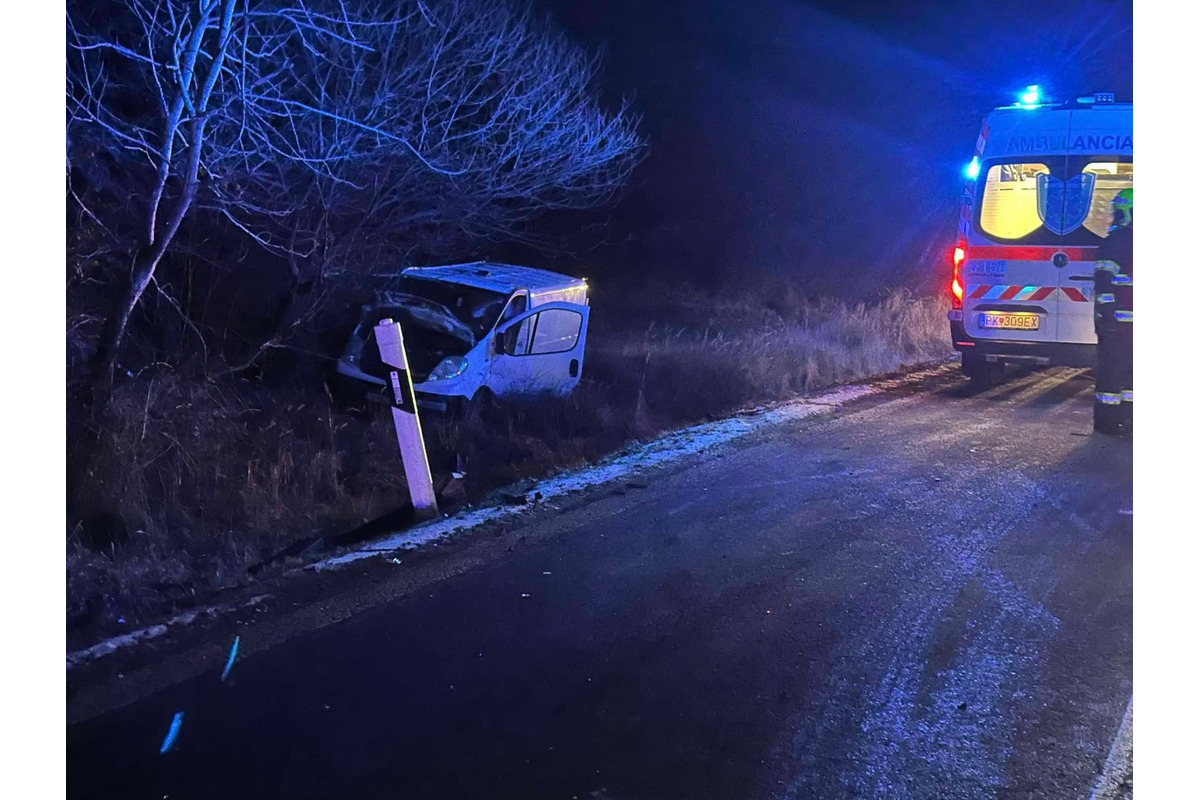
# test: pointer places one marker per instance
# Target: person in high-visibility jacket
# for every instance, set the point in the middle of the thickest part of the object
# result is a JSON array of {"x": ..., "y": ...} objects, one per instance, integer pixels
[{"x": 1113, "y": 408}]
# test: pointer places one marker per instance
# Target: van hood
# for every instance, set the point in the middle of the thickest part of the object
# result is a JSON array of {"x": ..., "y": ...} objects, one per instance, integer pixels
[
  {"x": 431, "y": 334},
  {"x": 423, "y": 313}
]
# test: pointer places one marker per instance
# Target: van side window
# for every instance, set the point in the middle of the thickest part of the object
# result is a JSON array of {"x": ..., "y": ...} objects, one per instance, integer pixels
[
  {"x": 1111, "y": 177},
  {"x": 1010, "y": 200},
  {"x": 557, "y": 331}
]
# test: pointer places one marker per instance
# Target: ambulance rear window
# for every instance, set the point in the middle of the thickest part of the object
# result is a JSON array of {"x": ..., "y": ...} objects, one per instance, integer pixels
[
  {"x": 1111, "y": 177},
  {"x": 1051, "y": 199},
  {"x": 1010, "y": 200}
]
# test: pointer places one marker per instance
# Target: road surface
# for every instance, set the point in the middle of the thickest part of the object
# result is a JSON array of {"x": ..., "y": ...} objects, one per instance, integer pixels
[{"x": 926, "y": 595}]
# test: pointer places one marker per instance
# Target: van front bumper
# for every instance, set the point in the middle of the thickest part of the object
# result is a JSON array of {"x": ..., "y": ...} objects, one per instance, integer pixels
[
  {"x": 352, "y": 373},
  {"x": 1055, "y": 354},
  {"x": 376, "y": 389}
]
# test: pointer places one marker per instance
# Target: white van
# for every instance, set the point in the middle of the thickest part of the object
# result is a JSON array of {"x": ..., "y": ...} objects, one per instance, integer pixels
[
  {"x": 479, "y": 327},
  {"x": 1035, "y": 209}
]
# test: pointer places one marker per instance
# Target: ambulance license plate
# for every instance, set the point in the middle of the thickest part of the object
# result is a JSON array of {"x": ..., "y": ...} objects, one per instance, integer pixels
[{"x": 1011, "y": 320}]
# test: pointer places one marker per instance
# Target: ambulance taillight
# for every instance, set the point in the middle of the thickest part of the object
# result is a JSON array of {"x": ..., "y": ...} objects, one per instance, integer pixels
[{"x": 956, "y": 285}]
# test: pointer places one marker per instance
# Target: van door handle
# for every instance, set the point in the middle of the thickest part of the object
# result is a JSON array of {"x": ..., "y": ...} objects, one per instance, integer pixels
[
  {"x": 574, "y": 368},
  {"x": 1090, "y": 278}
]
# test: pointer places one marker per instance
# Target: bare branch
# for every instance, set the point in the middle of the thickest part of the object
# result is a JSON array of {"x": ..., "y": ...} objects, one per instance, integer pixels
[
  {"x": 182, "y": 315},
  {"x": 335, "y": 134}
]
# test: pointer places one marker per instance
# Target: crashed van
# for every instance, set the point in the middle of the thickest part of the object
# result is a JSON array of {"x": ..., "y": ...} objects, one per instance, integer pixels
[
  {"x": 476, "y": 329},
  {"x": 1036, "y": 207}
]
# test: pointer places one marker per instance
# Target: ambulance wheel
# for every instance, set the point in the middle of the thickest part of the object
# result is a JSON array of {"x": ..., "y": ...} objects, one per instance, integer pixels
[
  {"x": 1112, "y": 420},
  {"x": 981, "y": 372}
]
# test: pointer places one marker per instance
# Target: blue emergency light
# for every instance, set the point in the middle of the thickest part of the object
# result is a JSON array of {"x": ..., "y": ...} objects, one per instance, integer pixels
[
  {"x": 972, "y": 169},
  {"x": 1032, "y": 96}
]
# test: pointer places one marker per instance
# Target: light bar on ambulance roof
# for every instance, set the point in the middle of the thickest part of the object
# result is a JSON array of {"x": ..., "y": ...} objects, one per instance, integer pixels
[
  {"x": 972, "y": 169},
  {"x": 1032, "y": 96}
]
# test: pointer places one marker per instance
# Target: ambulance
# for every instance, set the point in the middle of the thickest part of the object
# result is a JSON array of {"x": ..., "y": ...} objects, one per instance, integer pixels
[{"x": 1035, "y": 208}]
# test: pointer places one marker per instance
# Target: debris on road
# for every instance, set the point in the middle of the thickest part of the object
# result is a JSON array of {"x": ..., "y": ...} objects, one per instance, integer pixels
[
  {"x": 451, "y": 490},
  {"x": 520, "y": 493},
  {"x": 233, "y": 651},
  {"x": 172, "y": 733}
]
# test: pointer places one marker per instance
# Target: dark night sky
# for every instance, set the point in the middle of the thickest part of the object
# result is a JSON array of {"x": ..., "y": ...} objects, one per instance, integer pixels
[{"x": 822, "y": 141}]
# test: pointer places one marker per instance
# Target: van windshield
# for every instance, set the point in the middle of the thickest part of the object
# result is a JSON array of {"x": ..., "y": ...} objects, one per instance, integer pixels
[
  {"x": 1052, "y": 200},
  {"x": 478, "y": 309}
]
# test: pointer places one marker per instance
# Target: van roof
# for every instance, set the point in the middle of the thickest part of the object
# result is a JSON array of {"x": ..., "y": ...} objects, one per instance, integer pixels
[{"x": 496, "y": 277}]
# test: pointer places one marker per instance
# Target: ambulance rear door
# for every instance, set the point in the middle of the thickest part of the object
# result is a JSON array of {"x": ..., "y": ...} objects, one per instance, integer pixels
[
  {"x": 1010, "y": 290},
  {"x": 1100, "y": 164}
]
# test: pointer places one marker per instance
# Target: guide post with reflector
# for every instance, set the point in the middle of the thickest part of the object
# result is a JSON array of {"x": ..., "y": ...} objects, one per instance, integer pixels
[{"x": 390, "y": 340}]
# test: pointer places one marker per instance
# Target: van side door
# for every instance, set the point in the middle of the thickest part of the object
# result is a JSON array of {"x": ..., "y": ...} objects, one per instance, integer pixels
[{"x": 548, "y": 360}]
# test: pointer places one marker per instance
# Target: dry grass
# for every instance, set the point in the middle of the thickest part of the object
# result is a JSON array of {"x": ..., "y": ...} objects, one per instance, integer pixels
[
  {"x": 196, "y": 479},
  {"x": 693, "y": 373}
]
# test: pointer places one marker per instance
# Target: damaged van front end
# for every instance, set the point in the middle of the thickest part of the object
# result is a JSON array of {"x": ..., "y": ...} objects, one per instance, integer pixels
[
  {"x": 445, "y": 358},
  {"x": 469, "y": 328}
]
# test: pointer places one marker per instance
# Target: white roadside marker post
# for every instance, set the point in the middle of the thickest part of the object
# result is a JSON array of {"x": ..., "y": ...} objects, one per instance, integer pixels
[{"x": 408, "y": 424}]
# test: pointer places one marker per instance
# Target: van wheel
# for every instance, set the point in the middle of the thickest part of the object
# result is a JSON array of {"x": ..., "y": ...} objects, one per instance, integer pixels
[
  {"x": 983, "y": 373},
  {"x": 483, "y": 402}
]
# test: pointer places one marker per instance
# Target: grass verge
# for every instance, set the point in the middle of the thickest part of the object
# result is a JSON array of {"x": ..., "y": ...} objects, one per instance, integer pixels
[{"x": 196, "y": 479}]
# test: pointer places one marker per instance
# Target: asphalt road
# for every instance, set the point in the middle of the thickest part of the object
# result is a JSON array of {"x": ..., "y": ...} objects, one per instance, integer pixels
[{"x": 928, "y": 595}]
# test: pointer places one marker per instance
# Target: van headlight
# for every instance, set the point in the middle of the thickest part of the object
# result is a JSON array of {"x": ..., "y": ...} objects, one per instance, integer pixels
[{"x": 448, "y": 368}]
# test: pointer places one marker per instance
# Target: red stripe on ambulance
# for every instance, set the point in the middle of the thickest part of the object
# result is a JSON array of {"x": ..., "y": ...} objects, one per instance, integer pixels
[{"x": 979, "y": 291}]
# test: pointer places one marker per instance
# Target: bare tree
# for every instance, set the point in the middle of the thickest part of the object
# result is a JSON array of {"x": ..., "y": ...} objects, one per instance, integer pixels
[{"x": 328, "y": 136}]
